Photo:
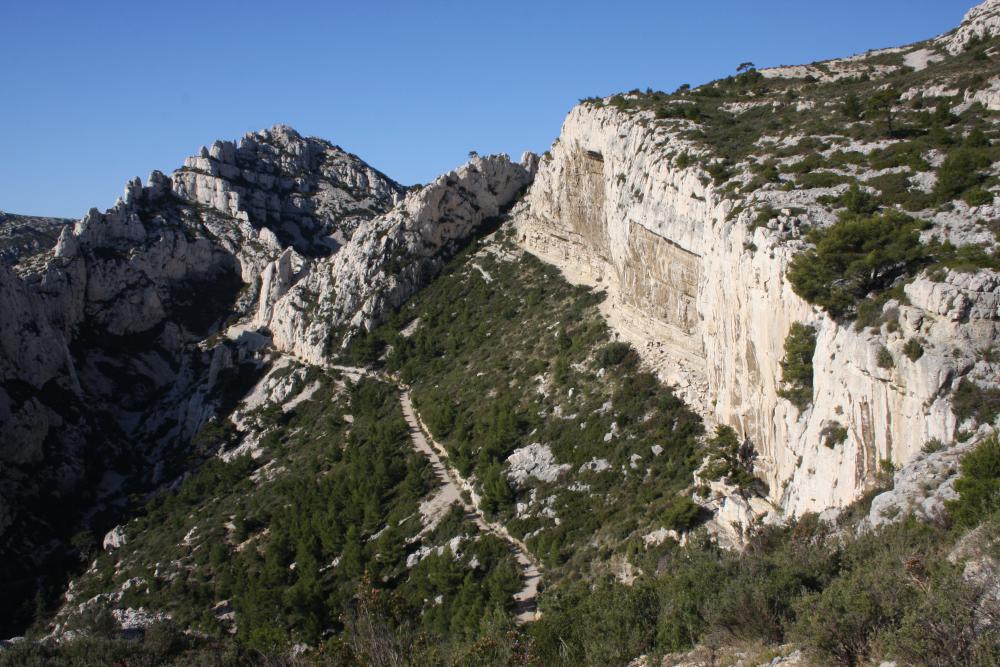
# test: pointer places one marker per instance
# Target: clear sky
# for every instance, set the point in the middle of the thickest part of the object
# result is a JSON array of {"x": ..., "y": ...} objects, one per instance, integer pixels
[{"x": 95, "y": 92}]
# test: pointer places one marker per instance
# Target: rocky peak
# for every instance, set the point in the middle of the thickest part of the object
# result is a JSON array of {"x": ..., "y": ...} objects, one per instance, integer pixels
[{"x": 309, "y": 193}]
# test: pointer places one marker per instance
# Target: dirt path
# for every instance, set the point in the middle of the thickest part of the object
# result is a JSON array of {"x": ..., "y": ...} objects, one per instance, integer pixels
[{"x": 452, "y": 486}]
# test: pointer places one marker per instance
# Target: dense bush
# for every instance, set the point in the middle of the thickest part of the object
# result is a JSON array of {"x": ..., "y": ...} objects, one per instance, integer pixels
[
  {"x": 613, "y": 354},
  {"x": 682, "y": 515},
  {"x": 797, "y": 365},
  {"x": 833, "y": 434},
  {"x": 856, "y": 257},
  {"x": 973, "y": 400},
  {"x": 913, "y": 349},
  {"x": 731, "y": 460},
  {"x": 603, "y": 624},
  {"x": 961, "y": 171},
  {"x": 858, "y": 201},
  {"x": 978, "y": 486},
  {"x": 844, "y": 620}
]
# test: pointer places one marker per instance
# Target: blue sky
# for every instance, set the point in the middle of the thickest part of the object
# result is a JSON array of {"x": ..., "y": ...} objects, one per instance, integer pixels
[{"x": 93, "y": 93}]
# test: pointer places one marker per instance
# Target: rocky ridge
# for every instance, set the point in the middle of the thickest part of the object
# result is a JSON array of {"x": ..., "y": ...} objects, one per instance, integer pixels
[
  {"x": 387, "y": 260},
  {"x": 115, "y": 346},
  {"x": 136, "y": 331},
  {"x": 980, "y": 23}
]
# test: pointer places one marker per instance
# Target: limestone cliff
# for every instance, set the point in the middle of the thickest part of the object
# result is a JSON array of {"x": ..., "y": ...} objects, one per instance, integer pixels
[{"x": 698, "y": 282}]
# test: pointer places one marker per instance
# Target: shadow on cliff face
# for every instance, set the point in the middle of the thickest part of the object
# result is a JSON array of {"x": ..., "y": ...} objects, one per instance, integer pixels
[{"x": 110, "y": 422}]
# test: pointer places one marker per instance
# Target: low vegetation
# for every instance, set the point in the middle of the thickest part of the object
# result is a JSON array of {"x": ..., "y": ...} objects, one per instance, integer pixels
[
  {"x": 731, "y": 461},
  {"x": 890, "y": 594},
  {"x": 797, "y": 366}
]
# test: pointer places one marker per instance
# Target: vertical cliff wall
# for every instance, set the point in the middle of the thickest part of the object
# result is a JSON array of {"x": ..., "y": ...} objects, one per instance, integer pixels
[{"x": 700, "y": 290}]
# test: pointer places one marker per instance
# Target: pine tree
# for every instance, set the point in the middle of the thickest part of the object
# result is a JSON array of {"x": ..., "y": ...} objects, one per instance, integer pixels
[{"x": 352, "y": 557}]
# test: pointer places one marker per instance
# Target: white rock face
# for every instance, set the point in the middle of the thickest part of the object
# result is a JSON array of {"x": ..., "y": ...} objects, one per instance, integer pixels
[
  {"x": 982, "y": 21},
  {"x": 114, "y": 539},
  {"x": 921, "y": 488},
  {"x": 705, "y": 302},
  {"x": 989, "y": 97},
  {"x": 921, "y": 58},
  {"x": 535, "y": 460},
  {"x": 595, "y": 465},
  {"x": 389, "y": 257},
  {"x": 138, "y": 618}
]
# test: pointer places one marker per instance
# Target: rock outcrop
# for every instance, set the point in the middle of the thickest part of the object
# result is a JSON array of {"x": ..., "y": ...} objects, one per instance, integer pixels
[
  {"x": 387, "y": 260},
  {"x": 981, "y": 22}
]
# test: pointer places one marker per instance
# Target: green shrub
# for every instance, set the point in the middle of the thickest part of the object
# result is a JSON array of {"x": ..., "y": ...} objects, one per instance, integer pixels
[
  {"x": 966, "y": 258},
  {"x": 852, "y": 107},
  {"x": 978, "y": 197},
  {"x": 913, "y": 349},
  {"x": 797, "y": 365},
  {"x": 682, "y": 515},
  {"x": 880, "y": 107},
  {"x": 822, "y": 179},
  {"x": 766, "y": 214},
  {"x": 858, "y": 201},
  {"x": 843, "y": 622},
  {"x": 895, "y": 189},
  {"x": 732, "y": 461},
  {"x": 806, "y": 165},
  {"x": 696, "y": 576},
  {"x": 960, "y": 171},
  {"x": 972, "y": 400},
  {"x": 856, "y": 257},
  {"x": 720, "y": 172},
  {"x": 868, "y": 313},
  {"x": 899, "y": 154},
  {"x": 944, "y": 626},
  {"x": 884, "y": 358},
  {"x": 756, "y": 602},
  {"x": 603, "y": 624},
  {"x": 932, "y": 446},
  {"x": 833, "y": 434},
  {"x": 614, "y": 354},
  {"x": 497, "y": 494},
  {"x": 978, "y": 486}
]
